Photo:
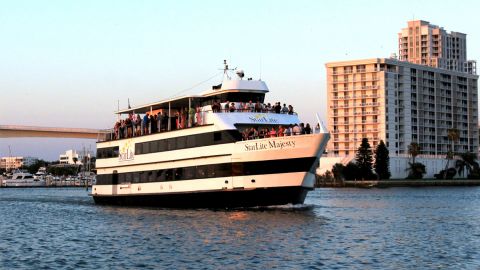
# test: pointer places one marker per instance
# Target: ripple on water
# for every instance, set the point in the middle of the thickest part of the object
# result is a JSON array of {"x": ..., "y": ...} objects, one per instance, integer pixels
[{"x": 393, "y": 228}]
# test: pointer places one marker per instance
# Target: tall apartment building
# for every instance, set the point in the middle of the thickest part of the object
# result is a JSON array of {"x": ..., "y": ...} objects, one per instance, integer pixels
[
  {"x": 400, "y": 102},
  {"x": 427, "y": 44}
]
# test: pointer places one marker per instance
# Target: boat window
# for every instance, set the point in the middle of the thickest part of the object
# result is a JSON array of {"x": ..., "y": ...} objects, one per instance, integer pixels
[
  {"x": 201, "y": 172},
  {"x": 217, "y": 136},
  {"x": 136, "y": 177},
  {"x": 138, "y": 149},
  {"x": 128, "y": 177},
  {"x": 211, "y": 171},
  {"x": 168, "y": 175},
  {"x": 153, "y": 146},
  {"x": 162, "y": 146},
  {"x": 146, "y": 147},
  {"x": 189, "y": 173},
  {"x": 191, "y": 140},
  {"x": 143, "y": 177},
  {"x": 115, "y": 152},
  {"x": 223, "y": 170},
  {"x": 121, "y": 178},
  {"x": 178, "y": 173},
  {"x": 181, "y": 142},
  {"x": 160, "y": 175},
  {"x": 171, "y": 144},
  {"x": 151, "y": 176}
]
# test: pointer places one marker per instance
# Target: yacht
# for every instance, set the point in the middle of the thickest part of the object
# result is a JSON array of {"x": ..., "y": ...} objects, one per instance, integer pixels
[
  {"x": 41, "y": 173},
  {"x": 23, "y": 179},
  {"x": 216, "y": 149}
]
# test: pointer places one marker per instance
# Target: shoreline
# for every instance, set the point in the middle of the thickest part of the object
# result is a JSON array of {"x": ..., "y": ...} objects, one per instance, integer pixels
[{"x": 399, "y": 183}]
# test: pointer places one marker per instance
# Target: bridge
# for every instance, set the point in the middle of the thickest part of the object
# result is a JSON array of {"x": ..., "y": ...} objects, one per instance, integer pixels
[{"x": 14, "y": 131}]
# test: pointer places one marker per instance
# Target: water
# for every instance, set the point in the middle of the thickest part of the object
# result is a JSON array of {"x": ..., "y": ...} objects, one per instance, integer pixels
[{"x": 397, "y": 228}]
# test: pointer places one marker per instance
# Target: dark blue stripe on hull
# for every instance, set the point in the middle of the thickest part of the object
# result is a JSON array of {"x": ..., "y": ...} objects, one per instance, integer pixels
[{"x": 217, "y": 199}]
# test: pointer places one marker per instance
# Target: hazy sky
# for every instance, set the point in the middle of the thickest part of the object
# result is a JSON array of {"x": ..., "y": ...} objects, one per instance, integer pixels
[{"x": 66, "y": 63}]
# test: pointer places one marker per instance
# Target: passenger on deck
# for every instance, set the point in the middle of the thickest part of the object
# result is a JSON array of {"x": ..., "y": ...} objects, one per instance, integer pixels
[
  {"x": 284, "y": 108},
  {"x": 268, "y": 108},
  {"x": 122, "y": 129},
  {"x": 153, "y": 124},
  {"x": 198, "y": 117},
  {"x": 250, "y": 106},
  {"x": 128, "y": 125},
  {"x": 308, "y": 129},
  {"x": 296, "y": 130},
  {"x": 146, "y": 119},
  {"x": 277, "y": 108},
  {"x": 244, "y": 134},
  {"x": 290, "y": 109},
  {"x": 184, "y": 117},
  {"x": 232, "y": 107},
  {"x": 302, "y": 128},
  {"x": 164, "y": 121},
  {"x": 226, "y": 106},
  {"x": 191, "y": 117},
  {"x": 317, "y": 128},
  {"x": 138, "y": 125},
  {"x": 288, "y": 130},
  {"x": 258, "y": 107},
  {"x": 280, "y": 132},
  {"x": 215, "y": 106},
  {"x": 116, "y": 130},
  {"x": 273, "y": 133}
]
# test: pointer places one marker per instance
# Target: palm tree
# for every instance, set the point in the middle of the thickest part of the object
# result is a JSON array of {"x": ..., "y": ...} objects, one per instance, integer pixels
[
  {"x": 415, "y": 170},
  {"x": 453, "y": 135},
  {"x": 466, "y": 163},
  {"x": 414, "y": 150}
]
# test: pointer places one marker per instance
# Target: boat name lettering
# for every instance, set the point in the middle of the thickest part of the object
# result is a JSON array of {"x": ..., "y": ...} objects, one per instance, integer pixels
[
  {"x": 126, "y": 151},
  {"x": 262, "y": 118},
  {"x": 269, "y": 145}
]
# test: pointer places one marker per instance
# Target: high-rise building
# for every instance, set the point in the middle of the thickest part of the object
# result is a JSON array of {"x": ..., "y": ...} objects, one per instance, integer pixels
[
  {"x": 400, "y": 102},
  {"x": 427, "y": 44}
]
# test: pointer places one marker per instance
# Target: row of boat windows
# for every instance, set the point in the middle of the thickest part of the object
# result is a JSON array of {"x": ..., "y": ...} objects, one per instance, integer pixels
[
  {"x": 177, "y": 143},
  {"x": 210, "y": 171}
]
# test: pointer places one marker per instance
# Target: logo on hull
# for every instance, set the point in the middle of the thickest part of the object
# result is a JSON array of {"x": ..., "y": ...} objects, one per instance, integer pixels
[{"x": 126, "y": 151}]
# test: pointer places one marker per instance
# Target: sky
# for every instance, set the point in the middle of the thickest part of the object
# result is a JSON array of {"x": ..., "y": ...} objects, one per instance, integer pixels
[{"x": 68, "y": 63}]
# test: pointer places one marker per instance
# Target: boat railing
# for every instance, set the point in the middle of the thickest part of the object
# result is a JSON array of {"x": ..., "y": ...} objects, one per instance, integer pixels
[{"x": 198, "y": 120}]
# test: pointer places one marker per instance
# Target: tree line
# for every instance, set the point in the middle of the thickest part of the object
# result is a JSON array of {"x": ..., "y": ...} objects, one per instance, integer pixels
[{"x": 370, "y": 165}]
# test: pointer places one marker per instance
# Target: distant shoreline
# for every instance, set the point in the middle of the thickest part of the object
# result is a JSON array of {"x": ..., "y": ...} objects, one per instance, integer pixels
[{"x": 400, "y": 183}]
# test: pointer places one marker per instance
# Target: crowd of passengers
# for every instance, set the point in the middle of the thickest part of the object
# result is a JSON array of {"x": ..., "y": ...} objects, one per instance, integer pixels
[
  {"x": 290, "y": 130},
  {"x": 135, "y": 125},
  {"x": 252, "y": 107}
]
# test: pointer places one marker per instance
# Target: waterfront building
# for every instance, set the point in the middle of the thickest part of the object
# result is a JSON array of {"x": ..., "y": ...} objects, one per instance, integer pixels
[
  {"x": 29, "y": 161},
  {"x": 430, "y": 90},
  {"x": 427, "y": 44},
  {"x": 400, "y": 103},
  {"x": 11, "y": 163},
  {"x": 69, "y": 158}
]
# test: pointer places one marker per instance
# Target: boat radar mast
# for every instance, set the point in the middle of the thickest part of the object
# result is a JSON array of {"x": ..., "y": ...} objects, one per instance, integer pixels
[{"x": 226, "y": 70}]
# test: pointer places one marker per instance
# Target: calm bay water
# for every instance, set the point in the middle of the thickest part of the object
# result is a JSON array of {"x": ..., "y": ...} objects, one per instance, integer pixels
[{"x": 396, "y": 228}]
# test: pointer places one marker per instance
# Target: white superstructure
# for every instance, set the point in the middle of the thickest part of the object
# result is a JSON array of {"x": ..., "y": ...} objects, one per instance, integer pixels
[
  {"x": 196, "y": 155},
  {"x": 22, "y": 179}
]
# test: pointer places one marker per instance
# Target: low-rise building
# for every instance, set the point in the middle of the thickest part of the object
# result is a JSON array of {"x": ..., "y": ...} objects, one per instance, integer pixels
[
  {"x": 70, "y": 157},
  {"x": 11, "y": 163}
]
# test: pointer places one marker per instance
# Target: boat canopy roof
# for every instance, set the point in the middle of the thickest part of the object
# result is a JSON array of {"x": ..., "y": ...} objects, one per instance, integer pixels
[{"x": 228, "y": 90}]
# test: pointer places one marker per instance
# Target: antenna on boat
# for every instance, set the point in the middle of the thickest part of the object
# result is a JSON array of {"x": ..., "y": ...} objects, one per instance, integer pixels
[{"x": 226, "y": 69}]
